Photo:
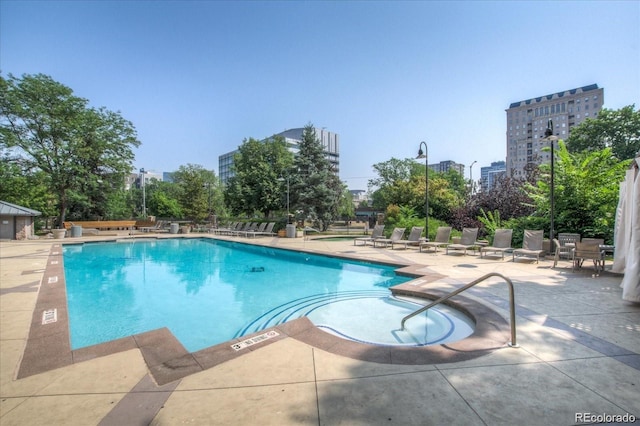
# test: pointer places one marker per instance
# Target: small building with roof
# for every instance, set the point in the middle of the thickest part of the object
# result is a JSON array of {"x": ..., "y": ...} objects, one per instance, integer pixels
[{"x": 16, "y": 222}]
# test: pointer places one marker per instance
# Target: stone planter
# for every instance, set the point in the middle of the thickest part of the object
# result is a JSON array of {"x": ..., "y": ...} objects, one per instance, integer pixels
[
  {"x": 185, "y": 229},
  {"x": 282, "y": 233},
  {"x": 299, "y": 233},
  {"x": 456, "y": 240},
  {"x": 59, "y": 234}
]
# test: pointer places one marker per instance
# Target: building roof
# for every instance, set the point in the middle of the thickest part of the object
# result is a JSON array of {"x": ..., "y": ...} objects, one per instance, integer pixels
[
  {"x": 559, "y": 94},
  {"x": 8, "y": 209}
]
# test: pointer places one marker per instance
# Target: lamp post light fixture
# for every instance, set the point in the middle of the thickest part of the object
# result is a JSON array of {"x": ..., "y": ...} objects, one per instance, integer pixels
[
  {"x": 282, "y": 180},
  {"x": 144, "y": 195},
  {"x": 208, "y": 186},
  {"x": 425, "y": 154},
  {"x": 471, "y": 175},
  {"x": 548, "y": 135}
]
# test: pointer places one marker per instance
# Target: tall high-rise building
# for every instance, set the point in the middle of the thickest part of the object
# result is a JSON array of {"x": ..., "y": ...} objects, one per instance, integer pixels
[
  {"x": 489, "y": 176},
  {"x": 527, "y": 121},
  {"x": 330, "y": 142}
]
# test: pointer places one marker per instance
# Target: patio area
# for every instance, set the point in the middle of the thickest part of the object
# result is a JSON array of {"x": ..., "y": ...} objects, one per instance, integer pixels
[{"x": 578, "y": 358}]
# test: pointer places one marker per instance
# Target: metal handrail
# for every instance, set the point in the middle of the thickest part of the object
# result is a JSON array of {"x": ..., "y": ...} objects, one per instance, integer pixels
[{"x": 466, "y": 287}]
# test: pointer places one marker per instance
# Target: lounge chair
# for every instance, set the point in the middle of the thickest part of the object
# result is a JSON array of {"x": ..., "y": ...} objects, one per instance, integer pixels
[
  {"x": 531, "y": 245},
  {"x": 589, "y": 249},
  {"x": 467, "y": 241},
  {"x": 395, "y": 236},
  {"x": 159, "y": 227},
  {"x": 268, "y": 230},
  {"x": 501, "y": 243},
  {"x": 442, "y": 239},
  {"x": 241, "y": 229},
  {"x": 227, "y": 230},
  {"x": 252, "y": 231},
  {"x": 414, "y": 238},
  {"x": 564, "y": 246},
  {"x": 376, "y": 233}
]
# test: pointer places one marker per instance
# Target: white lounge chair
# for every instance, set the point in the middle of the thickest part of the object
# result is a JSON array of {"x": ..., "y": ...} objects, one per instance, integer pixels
[
  {"x": 442, "y": 239},
  {"x": 414, "y": 238},
  {"x": 501, "y": 243},
  {"x": 531, "y": 245},
  {"x": 376, "y": 233},
  {"x": 395, "y": 236},
  {"x": 468, "y": 240}
]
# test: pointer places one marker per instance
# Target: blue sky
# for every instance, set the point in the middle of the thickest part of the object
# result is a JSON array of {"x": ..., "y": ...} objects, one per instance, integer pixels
[{"x": 197, "y": 78}]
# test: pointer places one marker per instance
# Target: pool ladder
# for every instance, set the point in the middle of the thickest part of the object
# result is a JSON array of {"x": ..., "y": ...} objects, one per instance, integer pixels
[{"x": 466, "y": 287}]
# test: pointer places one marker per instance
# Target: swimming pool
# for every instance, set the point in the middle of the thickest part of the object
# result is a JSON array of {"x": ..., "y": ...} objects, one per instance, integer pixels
[{"x": 209, "y": 291}]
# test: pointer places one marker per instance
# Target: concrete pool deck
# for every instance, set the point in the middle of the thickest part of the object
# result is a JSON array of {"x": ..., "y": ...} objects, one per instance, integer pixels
[{"x": 579, "y": 352}]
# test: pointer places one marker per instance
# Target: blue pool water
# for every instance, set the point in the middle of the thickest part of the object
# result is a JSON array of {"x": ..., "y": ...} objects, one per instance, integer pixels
[{"x": 207, "y": 292}]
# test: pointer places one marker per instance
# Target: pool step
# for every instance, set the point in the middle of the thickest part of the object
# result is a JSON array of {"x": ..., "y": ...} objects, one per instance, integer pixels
[{"x": 303, "y": 306}]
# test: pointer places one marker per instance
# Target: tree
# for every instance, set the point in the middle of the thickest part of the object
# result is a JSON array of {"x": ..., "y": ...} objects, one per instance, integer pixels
[
  {"x": 393, "y": 184},
  {"x": 617, "y": 129},
  {"x": 346, "y": 209},
  {"x": 402, "y": 183},
  {"x": 44, "y": 127},
  {"x": 194, "y": 182},
  {"x": 260, "y": 172},
  {"x": 163, "y": 199},
  {"x": 316, "y": 190},
  {"x": 586, "y": 191}
]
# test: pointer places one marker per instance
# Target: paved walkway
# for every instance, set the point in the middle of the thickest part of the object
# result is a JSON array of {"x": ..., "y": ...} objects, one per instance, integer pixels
[{"x": 579, "y": 352}]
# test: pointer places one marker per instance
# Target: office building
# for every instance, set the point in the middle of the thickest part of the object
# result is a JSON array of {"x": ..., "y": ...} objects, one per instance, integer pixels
[
  {"x": 330, "y": 142},
  {"x": 527, "y": 121},
  {"x": 489, "y": 176},
  {"x": 445, "y": 166}
]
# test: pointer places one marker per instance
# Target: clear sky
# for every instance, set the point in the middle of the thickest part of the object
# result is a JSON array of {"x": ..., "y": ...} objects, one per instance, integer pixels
[{"x": 197, "y": 78}]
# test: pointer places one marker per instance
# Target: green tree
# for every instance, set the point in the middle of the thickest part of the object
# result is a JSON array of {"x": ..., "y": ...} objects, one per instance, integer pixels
[
  {"x": 163, "y": 199},
  {"x": 346, "y": 209},
  {"x": 260, "y": 170},
  {"x": 402, "y": 183},
  {"x": 47, "y": 128},
  {"x": 586, "y": 192},
  {"x": 193, "y": 182},
  {"x": 617, "y": 129},
  {"x": 316, "y": 190},
  {"x": 393, "y": 185}
]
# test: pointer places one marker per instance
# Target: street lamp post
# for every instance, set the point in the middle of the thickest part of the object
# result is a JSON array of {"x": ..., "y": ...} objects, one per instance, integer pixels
[
  {"x": 552, "y": 139},
  {"x": 282, "y": 179},
  {"x": 208, "y": 186},
  {"x": 144, "y": 195},
  {"x": 471, "y": 175},
  {"x": 425, "y": 155}
]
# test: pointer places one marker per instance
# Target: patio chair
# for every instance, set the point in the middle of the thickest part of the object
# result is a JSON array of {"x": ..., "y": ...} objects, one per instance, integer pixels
[
  {"x": 376, "y": 233},
  {"x": 589, "y": 249},
  {"x": 564, "y": 246},
  {"x": 395, "y": 236},
  {"x": 501, "y": 243},
  {"x": 531, "y": 245},
  {"x": 468, "y": 240},
  {"x": 268, "y": 231},
  {"x": 414, "y": 238},
  {"x": 442, "y": 239},
  {"x": 240, "y": 228},
  {"x": 253, "y": 232}
]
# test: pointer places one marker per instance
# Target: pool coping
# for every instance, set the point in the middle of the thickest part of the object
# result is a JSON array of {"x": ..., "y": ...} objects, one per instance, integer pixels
[{"x": 48, "y": 344}]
